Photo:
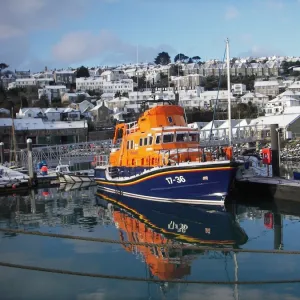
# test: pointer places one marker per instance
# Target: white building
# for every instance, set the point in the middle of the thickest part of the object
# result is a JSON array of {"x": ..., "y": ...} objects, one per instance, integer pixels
[
  {"x": 295, "y": 87},
  {"x": 99, "y": 84},
  {"x": 209, "y": 98},
  {"x": 258, "y": 99},
  {"x": 210, "y": 130},
  {"x": 29, "y": 112},
  {"x": 52, "y": 91},
  {"x": 72, "y": 97},
  {"x": 22, "y": 83},
  {"x": 278, "y": 105},
  {"x": 268, "y": 88},
  {"x": 238, "y": 89},
  {"x": 113, "y": 75},
  {"x": 42, "y": 82}
]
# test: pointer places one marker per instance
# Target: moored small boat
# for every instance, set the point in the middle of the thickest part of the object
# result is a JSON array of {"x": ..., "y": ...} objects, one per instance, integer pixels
[{"x": 66, "y": 176}]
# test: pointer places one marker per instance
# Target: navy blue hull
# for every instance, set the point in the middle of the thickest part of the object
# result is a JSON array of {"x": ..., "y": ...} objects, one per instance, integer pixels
[
  {"x": 193, "y": 184},
  {"x": 186, "y": 223}
]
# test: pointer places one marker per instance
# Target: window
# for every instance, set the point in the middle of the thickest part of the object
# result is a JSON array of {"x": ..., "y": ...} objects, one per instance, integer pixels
[
  {"x": 170, "y": 120},
  {"x": 131, "y": 145},
  {"x": 157, "y": 141},
  {"x": 128, "y": 144},
  {"x": 145, "y": 141},
  {"x": 141, "y": 142},
  {"x": 150, "y": 140},
  {"x": 181, "y": 137},
  {"x": 168, "y": 138},
  {"x": 194, "y": 137}
]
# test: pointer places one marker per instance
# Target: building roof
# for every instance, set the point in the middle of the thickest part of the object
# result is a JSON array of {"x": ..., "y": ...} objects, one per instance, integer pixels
[
  {"x": 282, "y": 120},
  {"x": 55, "y": 87},
  {"x": 265, "y": 83},
  {"x": 254, "y": 95},
  {"x": 39, "y": 124}
]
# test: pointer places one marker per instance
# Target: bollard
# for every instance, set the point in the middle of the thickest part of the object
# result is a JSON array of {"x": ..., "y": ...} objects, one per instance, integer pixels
[
  {"x": 275, "y": 150},
  {"x": 2, "y": 153},
  {"x": 30, "y": 162}
]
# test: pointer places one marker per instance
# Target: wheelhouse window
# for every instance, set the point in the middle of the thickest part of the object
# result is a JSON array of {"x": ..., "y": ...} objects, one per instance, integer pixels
[
  {"x": 141, "y": 142},
  {"x": 145, "y": 141},
  {"x": 150, "y": 140},
  {"x": 168, "y": 138},
  {"x": 158, "y": 139},
  {"x": 194, "y": 137},
  {"x": 181, "y": 137}
]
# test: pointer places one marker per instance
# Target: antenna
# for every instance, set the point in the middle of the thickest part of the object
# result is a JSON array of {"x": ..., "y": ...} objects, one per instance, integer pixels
[{"x": 229, "y": 93}]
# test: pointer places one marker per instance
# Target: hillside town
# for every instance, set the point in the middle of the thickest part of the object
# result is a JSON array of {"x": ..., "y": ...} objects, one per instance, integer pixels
[{"x": 74, "y": 105}]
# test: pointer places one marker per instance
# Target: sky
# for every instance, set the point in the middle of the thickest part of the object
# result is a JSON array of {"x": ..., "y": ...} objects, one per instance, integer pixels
[{"x": 71, "y": 33}]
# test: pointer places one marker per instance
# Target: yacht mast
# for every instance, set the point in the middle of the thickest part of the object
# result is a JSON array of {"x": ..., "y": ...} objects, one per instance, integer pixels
[{"x": 229, "y": 94}]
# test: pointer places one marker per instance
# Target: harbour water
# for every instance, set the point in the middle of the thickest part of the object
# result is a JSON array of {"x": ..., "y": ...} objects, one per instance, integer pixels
[{"x": 80, "y": 212}]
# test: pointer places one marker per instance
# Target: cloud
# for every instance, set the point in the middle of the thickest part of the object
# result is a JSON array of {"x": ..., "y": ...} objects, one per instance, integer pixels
[
  {"x": 20, "y": 18},
  {"x": 77, "y": 46},
  {"x": 260, "y": 51},
  {"x": 231, "y": 13},
  {"x": 275, "y": 4}
]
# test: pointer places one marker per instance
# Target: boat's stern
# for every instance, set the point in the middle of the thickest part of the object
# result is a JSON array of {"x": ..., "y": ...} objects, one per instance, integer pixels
[{"x": 99, "y": 173}]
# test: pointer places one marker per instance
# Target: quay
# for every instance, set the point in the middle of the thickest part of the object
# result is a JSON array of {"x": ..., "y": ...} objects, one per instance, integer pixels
[
  {"x": 269, "y": 188},
  {"x": 274, "y": 187}
]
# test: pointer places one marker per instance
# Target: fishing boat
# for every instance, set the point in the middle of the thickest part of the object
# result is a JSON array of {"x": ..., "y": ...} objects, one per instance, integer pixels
[
  {"x": 159, "y": 158},
  {"x": 175, "y": 225},
  {"x": 66, "y": 176}
]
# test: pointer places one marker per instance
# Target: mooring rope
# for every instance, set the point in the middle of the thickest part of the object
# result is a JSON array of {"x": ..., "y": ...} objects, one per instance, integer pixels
[
  {"x": 132, "y": 278},
  {"x": 167, "y": 245}
]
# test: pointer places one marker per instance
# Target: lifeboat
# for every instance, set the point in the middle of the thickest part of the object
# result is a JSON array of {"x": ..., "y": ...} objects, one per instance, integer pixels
[{"x": 159, "y": 158}]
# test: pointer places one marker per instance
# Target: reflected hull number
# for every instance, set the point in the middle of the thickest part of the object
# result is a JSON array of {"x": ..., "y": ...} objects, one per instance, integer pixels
[
  {"x": 180, "y": 228},
  {"x": 176, "y": 179}
]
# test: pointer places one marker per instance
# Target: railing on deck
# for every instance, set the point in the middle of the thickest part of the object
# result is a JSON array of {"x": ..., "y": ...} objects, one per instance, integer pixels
[{"x": 131, "y": 127}]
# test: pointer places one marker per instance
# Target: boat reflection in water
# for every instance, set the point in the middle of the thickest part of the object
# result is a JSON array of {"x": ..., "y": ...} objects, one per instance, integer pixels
[{"x": 170, "y": 224}]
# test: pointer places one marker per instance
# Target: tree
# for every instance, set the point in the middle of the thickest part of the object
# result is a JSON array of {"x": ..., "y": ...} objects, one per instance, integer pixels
[
  {"x": 179, "y": 57},
  {"x": 80, "y": 98},
  {"x": 43, "y": 102},
  {"x": 163, "y": 58},
  {"x": 3, "y": 66},
  {"x": 82, "y": 72},
  {"x": 24, "y": 102},
  {"x": 196, "y": 59}
]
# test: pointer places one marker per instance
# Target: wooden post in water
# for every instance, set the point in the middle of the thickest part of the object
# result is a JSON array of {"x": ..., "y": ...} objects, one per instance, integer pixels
[
  {"x": 2, "y": 153},
  {"x": 275, "y": 150},
  {"x": 32, "y": 202},
  {"x": 30, "y": 162},
  {"x": 278, "y": 231}
]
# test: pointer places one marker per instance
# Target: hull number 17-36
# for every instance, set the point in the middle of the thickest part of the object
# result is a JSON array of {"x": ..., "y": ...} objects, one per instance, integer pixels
[{"x": 176, "y": 179}]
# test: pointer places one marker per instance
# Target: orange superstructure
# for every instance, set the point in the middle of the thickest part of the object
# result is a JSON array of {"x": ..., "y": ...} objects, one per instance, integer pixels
[
  {"x": 160, "y": 137},
  {"x": 165, "y": 263}
]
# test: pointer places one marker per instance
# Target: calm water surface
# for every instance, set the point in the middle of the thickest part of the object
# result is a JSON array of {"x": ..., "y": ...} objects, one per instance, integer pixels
[{"x": 80, "y": 212}]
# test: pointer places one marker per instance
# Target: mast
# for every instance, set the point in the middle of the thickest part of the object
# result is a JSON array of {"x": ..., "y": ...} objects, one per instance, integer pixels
[
  {"x": 137, "y": 76},
  {"x": 229, "y": 94},
  {"x": 13, "y": 138}
]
